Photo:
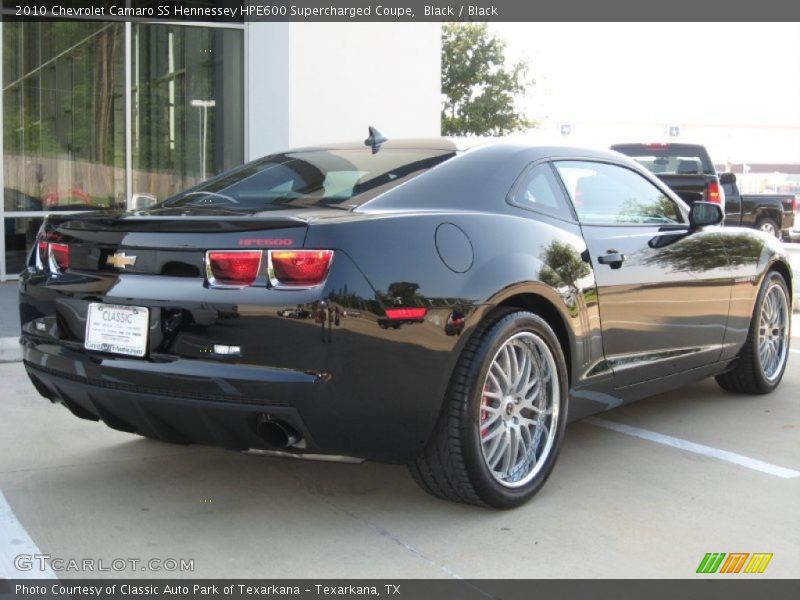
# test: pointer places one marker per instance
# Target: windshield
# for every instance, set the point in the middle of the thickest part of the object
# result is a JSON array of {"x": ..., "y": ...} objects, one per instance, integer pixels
[
  {"x": 669, "y": 159},
  {"x": 330, "y": 178}
]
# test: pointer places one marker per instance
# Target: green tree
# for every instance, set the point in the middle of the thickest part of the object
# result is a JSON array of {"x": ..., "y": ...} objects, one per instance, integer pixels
[{"x": 479, "y": 90}]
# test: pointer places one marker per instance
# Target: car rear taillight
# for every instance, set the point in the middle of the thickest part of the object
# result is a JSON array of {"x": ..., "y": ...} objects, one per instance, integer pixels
[
  {"x": 298, "y": 268},
  {"x": 59, "y": 256},
  {"x": 714, "y": 193},
  {"x": 406, "y": 314},
  {"x": 52, "y": 256},
  {"x": 794, "y": 204},
  {"x": 232, "y": 268}
]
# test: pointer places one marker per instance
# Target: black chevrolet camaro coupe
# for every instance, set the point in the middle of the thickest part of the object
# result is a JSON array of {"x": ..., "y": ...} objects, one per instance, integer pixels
[{"x": 406, "y": 301}]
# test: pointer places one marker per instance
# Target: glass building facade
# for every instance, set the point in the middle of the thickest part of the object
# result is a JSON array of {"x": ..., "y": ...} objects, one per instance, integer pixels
[{"x": 101, "y": 116}]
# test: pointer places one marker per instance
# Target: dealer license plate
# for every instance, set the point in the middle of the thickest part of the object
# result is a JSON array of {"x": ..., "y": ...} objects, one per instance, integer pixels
[{"x": 117, "y": 329}]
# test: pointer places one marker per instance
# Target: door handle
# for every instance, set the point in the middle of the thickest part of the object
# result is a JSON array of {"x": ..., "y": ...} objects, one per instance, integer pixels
[{"x": 613, "y": 259}]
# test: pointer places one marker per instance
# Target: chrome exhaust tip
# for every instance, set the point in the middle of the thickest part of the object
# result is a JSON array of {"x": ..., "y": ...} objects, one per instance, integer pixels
[{"x": 276, "y": 434}]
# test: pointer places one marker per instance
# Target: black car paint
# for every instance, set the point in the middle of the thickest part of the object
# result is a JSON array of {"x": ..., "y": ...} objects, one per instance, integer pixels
[
  {"x": 348, "y": 385},
  {"x": 748, "y": 210}
]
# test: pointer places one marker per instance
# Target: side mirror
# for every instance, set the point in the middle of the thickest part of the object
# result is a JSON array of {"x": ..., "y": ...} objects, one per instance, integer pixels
[
  {"x": 703, "y": 214},
  {"x": 142, "y": 201},
  {"x": 727, "y": 178}
]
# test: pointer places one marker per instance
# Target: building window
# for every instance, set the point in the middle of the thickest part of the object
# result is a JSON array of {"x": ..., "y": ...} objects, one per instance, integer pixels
[
  {"x": 64, "y": 122},
  {"x": 187, "y": 101},
  {"x": 63, "y": 116}
]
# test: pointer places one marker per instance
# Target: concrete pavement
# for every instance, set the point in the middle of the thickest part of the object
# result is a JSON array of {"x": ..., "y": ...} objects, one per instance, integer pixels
[
  {"x": 9, "y": 323},
  {"x": 9, "y": 313},
  {"x": 615, "y": 506}
]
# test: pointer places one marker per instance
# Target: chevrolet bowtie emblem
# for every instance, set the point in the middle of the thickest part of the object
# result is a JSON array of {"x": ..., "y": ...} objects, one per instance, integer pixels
[{"x": 120, "y": 261}]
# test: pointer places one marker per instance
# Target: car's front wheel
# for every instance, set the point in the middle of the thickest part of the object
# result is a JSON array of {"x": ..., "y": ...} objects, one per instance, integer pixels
[
  {"x": 504, "y": 417},
  {"x": 762, "y": 360}
]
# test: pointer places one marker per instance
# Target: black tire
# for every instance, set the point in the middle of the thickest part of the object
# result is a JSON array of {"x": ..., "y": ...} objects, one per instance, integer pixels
[
  {"x": 452, "y": 465},
  {"x": 769, "y": 226},
  {"x": 747, "y": 376}
]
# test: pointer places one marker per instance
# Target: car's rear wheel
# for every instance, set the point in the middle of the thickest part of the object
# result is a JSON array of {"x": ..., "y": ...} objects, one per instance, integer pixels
[
  {"x": 500, "y": 430},
  {"x": 762, "y": 361},
  {"x": 769, "y": 226}
]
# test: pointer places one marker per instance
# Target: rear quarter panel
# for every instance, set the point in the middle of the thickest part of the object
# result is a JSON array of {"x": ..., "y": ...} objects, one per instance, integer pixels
[{"x": 514, "y": 253}]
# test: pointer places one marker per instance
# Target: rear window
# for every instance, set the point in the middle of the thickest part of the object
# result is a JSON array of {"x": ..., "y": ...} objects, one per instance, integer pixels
[
  {"x": 333, "y": 178},
  {"x": 669, "y": 159}
]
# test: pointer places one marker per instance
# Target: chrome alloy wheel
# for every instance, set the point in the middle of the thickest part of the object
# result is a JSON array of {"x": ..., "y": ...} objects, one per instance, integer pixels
[
  {"x": 519, "y": 409},
  {"x": 773, "y": 325}
]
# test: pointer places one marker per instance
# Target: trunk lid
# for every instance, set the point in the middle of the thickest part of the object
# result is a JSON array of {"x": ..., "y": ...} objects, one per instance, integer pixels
[{"x": 169, "y": 242}]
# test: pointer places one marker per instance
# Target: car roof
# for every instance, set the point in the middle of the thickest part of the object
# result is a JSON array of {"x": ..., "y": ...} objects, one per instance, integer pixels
[
  {"x": 441, "y": 143},
  {"x": 484, "y": 144}
]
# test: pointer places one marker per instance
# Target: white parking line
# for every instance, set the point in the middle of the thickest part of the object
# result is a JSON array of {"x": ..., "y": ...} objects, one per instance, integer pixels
[
  {"x": 15, "y": 541},
  {"x": 667, "y": 440}
]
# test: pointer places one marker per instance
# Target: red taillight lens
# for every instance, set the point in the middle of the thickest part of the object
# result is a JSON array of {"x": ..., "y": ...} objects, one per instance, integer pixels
[
  {"x": 59, "y": 253},
  {"x": 794, "y": 205},
  {"x": 299, "y": 268},
  {"x": 53, "y": 256},
  {"x": 232, "y": 268},
  {"x": 714, "y": 193},
  {"x": 406, "y": 314}
]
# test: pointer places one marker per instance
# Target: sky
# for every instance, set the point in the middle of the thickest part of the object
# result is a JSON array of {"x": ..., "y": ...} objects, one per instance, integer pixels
[
  {"x": 724, "y": 75},
  {"x": 737, "y": 73}
]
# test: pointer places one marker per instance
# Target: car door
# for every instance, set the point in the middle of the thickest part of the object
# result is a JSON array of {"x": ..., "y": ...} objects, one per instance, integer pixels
[{"x": 663, "y": 290}]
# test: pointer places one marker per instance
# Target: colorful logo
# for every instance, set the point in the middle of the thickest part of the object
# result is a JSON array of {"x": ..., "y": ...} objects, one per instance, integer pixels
[{"x": 734, "y": 562}]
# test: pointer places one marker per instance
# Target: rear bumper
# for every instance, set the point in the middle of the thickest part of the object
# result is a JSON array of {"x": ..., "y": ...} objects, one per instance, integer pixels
[
  {"x": 172, "y": 401},
  {"x": 378, "y": 413},
  {"x": 172, "y": 418},
  {"x": 792, "y": 234}
]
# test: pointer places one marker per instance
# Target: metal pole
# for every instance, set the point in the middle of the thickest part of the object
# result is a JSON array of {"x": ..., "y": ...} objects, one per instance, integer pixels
[
  {"x": 203, "y": 130},
  {"x": 2, "y": 181},
  {"x": 128, "y": 115},
  {"x": 200, "y": 135},
  {"x": 246, "y": 98},
  {"x": 205, "y": 138}
]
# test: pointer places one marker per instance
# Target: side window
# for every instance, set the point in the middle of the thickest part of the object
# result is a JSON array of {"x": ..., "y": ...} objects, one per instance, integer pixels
[
  {"x": 606, "y": 194},
  {"x": 538, "y": 189}
]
